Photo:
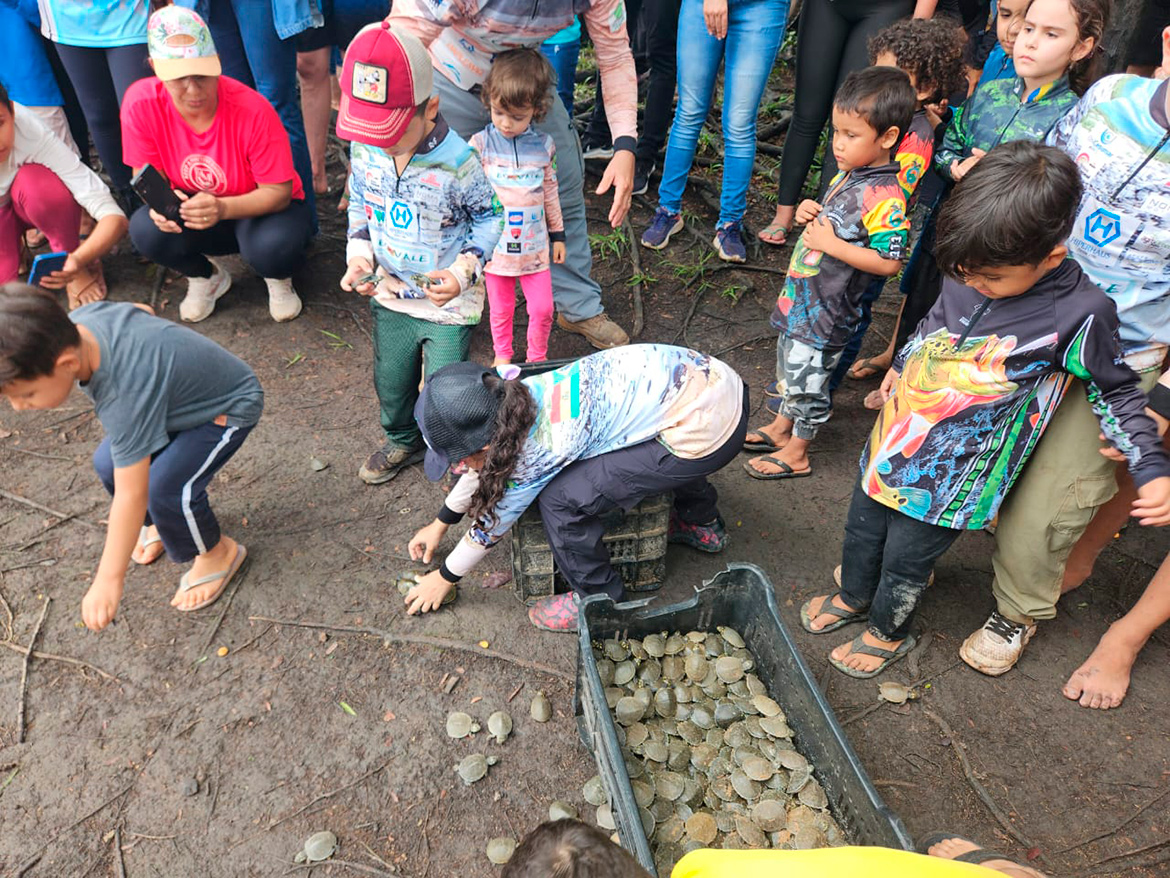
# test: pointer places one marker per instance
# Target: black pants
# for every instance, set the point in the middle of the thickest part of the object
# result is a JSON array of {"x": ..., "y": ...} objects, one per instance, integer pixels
[
  {"x": 575, "y": 502},
  {"x": 831, "y": 42},
  {"x": 886, "y": 562},
  {"x": 273, "y": 245}
]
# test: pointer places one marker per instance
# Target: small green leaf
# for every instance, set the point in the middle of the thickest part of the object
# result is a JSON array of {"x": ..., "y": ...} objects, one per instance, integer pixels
[{"x": 348, "y": 709}]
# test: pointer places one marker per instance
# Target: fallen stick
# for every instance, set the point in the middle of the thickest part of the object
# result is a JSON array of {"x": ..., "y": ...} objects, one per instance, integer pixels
[
  {"x": 39, "y": 538},
  {"x": 357, "y": 867},
  {"x": 32, "y": 504},
  {"x": 1000, "y": 817},
  {"x": 235, "y": 586},
  {"x": 8, "y": 613},
  {"x": 23, "y": 691},
  {"x": 39, "y": 454},
  {"x": 24, "y": 566},
  {"x": 53, "y": 657},
  {"x": 1148, "y": 847},
  {"x": 424, "y": 640},
  {"x": 118, "y": 846},
  {"x": 636, "y": 292},
  {"x": 1120, "y": 826}
]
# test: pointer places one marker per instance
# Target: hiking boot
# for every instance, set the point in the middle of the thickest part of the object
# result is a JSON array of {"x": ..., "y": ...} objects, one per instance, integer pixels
[
  {"x": 643, "y": 169},
  {"x": 387, "y": 462},
  {"x": 202, "y": 292},
  {"x": 710, "y": 537},
  {"x": 996, "y": 647},
  {"x": 283, "y": 302},
  {"x": 662, "y": 227},
  {"x": 556, "y": 613},
  {"x": 729, "y": 244},
  {"x": 599, "y": 331},
  {"x": 591, "y": 149}
]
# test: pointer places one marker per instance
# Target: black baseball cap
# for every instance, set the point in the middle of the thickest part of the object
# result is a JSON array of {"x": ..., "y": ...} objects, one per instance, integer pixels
[{"x": 456, "y": 413}]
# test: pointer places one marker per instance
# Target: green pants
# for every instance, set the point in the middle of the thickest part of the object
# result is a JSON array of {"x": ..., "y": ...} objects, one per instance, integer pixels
[
  {"x": 403, "y": 345},
  {"x": 1064, "y": 483}
]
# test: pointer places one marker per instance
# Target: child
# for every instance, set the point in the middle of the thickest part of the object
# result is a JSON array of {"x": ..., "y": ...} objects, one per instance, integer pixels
[
  {"x": 1118, "y": 135},
  {"x": 175, "y": 407},
  {"x": 970, "y": 395},
  {"x": 571, "y": 849},
  {"x": 859, "y": 233},
  {"x": 1009, "y": 16},
  {"x": 521, "y": 164},
  {"x": 423, "y": 214}
]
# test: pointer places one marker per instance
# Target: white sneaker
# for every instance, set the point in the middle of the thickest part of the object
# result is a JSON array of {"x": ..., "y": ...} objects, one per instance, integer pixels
[
  {"x": 202, "y": 292},
  {"x": 996, "y": 647},
  {"x": 283, "y": 302}
]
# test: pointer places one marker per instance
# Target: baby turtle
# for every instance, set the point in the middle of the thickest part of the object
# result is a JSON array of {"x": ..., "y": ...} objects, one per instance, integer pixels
[
  {"x": 500, "y": 850},
  {"x": 559, "y": 810},
  {"x": 474, "y": 766},
  {"x": 318, "y": 846},
  {"x": 594, "y": 792},
  {"x": 729, "y": 668},
  {"x": 655, "y": 645},
  {"x": 408, "y": 580},
  {"x": 541, "y": 710},
  {"x": 895, "y": 693},
  {"x": 605, "y": 818},
  {"x": 701, "y": 827},
  {"x": 730, "y": 637},
  {"x": 460, "y": 725},
  {"x": 500, "y": 726}
]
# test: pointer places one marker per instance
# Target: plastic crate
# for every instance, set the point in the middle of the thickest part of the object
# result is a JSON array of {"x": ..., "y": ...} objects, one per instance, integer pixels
[
  {"x": 742, "y": 598},
  {"x": 636, "y": 541}
]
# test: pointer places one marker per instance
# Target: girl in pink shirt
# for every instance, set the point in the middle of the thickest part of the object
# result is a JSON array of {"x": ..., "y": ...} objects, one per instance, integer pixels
[{"x": 520, "y": 162}]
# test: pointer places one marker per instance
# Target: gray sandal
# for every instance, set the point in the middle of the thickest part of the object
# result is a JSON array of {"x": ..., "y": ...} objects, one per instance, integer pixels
[
  {"x": 889, "y": 656},
  {"x": 844, "y": 617},
  {"x": 185, "y": 584}
]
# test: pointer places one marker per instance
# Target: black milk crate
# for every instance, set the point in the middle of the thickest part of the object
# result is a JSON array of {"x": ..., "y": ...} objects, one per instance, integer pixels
[{"x": 740, "y": 597}]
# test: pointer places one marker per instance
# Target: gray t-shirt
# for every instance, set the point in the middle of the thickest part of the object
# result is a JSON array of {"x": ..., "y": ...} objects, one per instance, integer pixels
[{"x": 157, "y": 378}]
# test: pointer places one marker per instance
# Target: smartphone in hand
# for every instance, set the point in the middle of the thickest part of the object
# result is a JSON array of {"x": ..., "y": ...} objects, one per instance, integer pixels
[
  {"x": 44, "y": 265},
  {"x": 153, "y": 189}
]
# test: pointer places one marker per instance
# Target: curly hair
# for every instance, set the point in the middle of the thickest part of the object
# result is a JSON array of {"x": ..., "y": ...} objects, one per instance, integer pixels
[
  {"x": 519, "y": 79},
  {"x": 930, "y": 50},
  {"x": 516, "y": 415}
]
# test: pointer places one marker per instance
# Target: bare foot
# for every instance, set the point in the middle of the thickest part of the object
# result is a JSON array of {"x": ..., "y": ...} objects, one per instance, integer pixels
[
  {"x": 218, "y": 560},
  {"x": 778, "y": 436},
  {"x": 952, "y": 848},
  {"x": 34, "y": 238},
  {"x": 797, "y": 460},
  {"x": 87, "y": 286},
  {"x": 1102, "y": 681},
  {"x": 149, "y": 548},
  {"x": 815, "y": 615},
  {"x": 860, "y": 662},
  {"x": 777, "y": 231}
]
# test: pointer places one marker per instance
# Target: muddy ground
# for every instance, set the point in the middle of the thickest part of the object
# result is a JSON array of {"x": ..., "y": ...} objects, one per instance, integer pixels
[{"x": 299, "y": 729}]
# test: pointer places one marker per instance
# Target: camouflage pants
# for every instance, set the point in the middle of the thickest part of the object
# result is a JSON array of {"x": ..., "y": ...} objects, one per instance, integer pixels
[{"x": 804, "y": 372}]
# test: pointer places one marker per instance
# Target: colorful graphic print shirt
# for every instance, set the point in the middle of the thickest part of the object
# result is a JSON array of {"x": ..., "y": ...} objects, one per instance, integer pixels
[
  {"x": 440, "y": 213},
  {"x": 1000, "y": 112},
  {"x": 1119, "y": 137},
  {"x": 914, "y": 154},
  {"x": 980, "y": 380},
  {"x": 820, "y": 303},
  {"x": 611, "y": 400},
  {"x": 523, "y": 173}
]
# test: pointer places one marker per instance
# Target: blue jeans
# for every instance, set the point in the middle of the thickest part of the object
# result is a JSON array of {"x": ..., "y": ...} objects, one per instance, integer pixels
[
  {"x": 563, "y": 58},
  {"x": 754, "y": 31}
]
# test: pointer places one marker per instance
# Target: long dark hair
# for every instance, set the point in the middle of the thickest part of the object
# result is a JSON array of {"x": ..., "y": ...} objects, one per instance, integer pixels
[{"x": 515, "y": 418}]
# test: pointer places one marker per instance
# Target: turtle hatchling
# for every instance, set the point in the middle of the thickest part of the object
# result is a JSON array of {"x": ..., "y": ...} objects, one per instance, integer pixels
[
  {"x": 500, "y": 850},
  {"x": 410, "y": 578},
  {"x": 474, "y": 766},
  {"x": 318, "y": 846},
  {"x": 559, "y": 810},
  {"x": 500, "y": 726},
  {"x": 541, "y": 710},
  {"x": 460, "y": 725}
]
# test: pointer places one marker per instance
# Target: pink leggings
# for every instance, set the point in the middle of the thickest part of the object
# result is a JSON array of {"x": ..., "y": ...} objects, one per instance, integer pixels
[
  {"x": 501, "y": 291},
  {"x": 39, "y": 200}
]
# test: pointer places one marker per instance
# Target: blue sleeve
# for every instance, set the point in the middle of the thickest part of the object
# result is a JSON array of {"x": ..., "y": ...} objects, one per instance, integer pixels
[{"x": 484, "y": 211}]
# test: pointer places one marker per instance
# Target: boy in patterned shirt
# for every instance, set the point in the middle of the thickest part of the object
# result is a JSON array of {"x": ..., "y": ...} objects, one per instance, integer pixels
[
  {"x": 422, "y": 221},
  {"x": 858, "y": 233}
]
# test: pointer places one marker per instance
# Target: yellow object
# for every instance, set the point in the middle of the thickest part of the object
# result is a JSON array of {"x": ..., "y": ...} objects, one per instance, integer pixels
[
  {"x": 483, "y": 644},
  {"x": 844, "y": 862},
  {"x": 222, "y": 651}
]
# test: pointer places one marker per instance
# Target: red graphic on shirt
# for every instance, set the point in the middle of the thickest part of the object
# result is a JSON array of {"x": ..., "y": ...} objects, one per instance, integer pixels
[{"x": 203, "y": 174}]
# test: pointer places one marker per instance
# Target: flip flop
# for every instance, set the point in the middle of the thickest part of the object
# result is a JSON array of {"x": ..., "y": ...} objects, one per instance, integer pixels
[
  {"x": 864, "y": 365},
  {"x": 226, "y": 575},
  {"x": 981, "y": 855},
  {"x": 786, "y": 471},
  {"x": 844, "y": 617},
  {"x": 146, "y": 544},
  {"x": 773, "y": 230},
  {"x": 766, "y": 445},
  {"x": 889, "y": 656}
]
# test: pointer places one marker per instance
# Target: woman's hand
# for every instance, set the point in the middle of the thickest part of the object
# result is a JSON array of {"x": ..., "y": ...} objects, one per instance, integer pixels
[
  {"x": 201, "y": 210},
  {"x": 165, "y": 225},
  {"x": 619, "y": 176},
  {"x": 807, "y": 211},
  {"x": 357, "y": 267},
  {"x": 423, "y": 544},
  {"x": 888, "y": 384},
  {"x": 558, "y": 252},
  {"x": 428, "y": 594},
  {"x": 57, "y": 279},
  {"x": 444, "y": 288},
  {"x": 715, "y": 15}
]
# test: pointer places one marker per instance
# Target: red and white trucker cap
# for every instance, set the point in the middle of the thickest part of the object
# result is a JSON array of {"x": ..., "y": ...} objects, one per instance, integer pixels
[{"x": 387, "y": 74}]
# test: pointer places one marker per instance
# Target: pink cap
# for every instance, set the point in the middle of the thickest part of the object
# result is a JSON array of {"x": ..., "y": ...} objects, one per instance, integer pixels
[{"x": 387, "y": 74}]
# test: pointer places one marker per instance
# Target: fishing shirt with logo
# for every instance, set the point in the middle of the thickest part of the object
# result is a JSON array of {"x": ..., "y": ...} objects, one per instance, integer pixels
[
  {"x": 688, "y": 401},
  {"x": 1119, "y": 137},
  {"x": 820, "y": 302},
  {"x": 439, "y": 213},
  {"x": 980, "y": 380},
  {"x": 523, "y": 173}
]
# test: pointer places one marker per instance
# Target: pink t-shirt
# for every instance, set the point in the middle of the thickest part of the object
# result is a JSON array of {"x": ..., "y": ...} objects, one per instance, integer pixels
[{"x": 245, "y": 146}]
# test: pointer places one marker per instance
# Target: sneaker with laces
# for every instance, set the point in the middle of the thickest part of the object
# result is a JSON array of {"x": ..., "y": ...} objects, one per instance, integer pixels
[
  {"x": 591, "y": 150},
  {"x": 729, "y": 244},
  {"x": 710, "y": 537},
  {"x": 599, "y": 331},
  {"x": 283, "y": 302},
  {"x": 202, "y": 292},
  {"x": 556, "y": 613},
  {"x": 662, "y": 227},
  {"x": 387, "y": 462},
  {"x": 996, "y": 647},
  {"x": 643, "y": 169}
]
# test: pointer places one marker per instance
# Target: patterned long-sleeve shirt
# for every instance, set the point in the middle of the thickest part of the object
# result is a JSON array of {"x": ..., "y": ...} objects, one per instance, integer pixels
[
  {"x": 979, "y": 382},
  {"x": 1119, "y": 136},
  {"x": 523, "y": 173},
  {"x": 439, "y": 213}
]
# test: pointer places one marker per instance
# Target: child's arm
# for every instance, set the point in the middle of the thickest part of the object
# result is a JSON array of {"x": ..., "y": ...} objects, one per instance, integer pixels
[
  {"x": 885, "y": 224},
  {"x": 820, "y": 235},
  {"x": 956, "y": 144},
  {"x": 552, "y": 204},
  {"x": 359, "y": 250},
  {"x": 127, "y": 512},
  {"x": 485, "y": 217}
]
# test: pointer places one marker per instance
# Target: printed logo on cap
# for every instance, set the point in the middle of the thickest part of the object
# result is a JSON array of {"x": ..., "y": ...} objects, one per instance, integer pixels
[{"x": 370, "y": 83}]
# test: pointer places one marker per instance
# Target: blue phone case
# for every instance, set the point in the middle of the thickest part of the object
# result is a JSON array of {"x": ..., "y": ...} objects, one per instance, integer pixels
[{"x": 44, "y": 265}]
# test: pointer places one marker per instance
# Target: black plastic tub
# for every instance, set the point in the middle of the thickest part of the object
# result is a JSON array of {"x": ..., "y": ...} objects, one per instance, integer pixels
[{"x": 742, "y": 598}]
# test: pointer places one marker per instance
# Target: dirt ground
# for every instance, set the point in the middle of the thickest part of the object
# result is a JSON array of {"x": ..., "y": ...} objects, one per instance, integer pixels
[{"x": 299, "y": 729}]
